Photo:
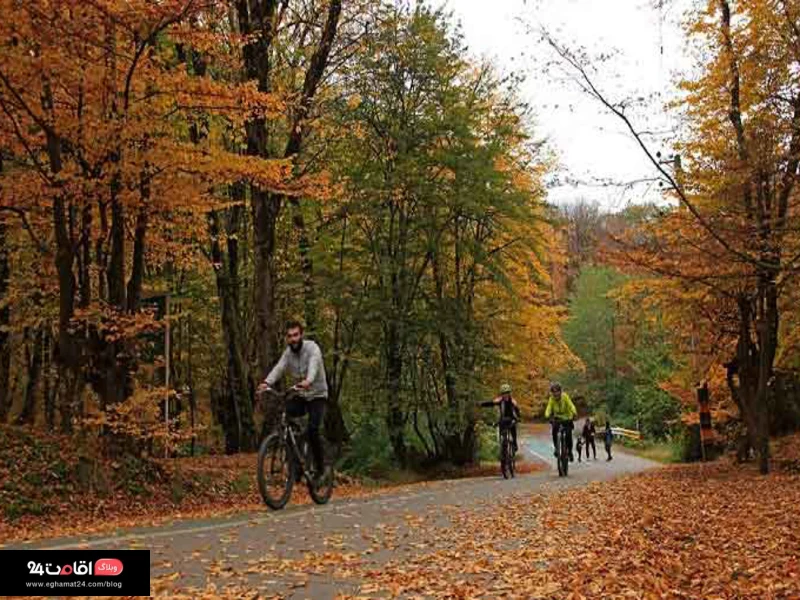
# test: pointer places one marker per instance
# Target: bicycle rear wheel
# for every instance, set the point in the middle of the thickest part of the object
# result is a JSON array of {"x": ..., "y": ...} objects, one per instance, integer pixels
[
  {"x": 505, "y": 456},
  {"x": 276, "y": 472}
]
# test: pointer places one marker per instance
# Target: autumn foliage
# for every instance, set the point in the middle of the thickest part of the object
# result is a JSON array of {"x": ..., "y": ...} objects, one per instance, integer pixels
[{"x": 178, "y": 178}]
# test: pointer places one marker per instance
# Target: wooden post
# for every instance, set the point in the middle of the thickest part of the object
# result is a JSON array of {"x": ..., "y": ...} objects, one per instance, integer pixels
[
  {"x": 189, "y": 381},
  {"x": 705, "y": 417},
  {"x": 167, "y": 352}
]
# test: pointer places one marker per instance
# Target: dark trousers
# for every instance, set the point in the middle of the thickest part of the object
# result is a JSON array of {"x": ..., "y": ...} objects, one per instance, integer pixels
[
  {"x": 590, "y": 442},
  {"x": 556, "y": 426},
  {"x": 315, "y": 409}
]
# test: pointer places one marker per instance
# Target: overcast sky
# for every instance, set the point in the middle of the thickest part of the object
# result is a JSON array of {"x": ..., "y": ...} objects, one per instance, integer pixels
[{"x": 590, "y": 144}]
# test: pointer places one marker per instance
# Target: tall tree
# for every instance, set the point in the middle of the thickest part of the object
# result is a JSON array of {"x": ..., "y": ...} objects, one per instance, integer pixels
[
  {"x": 442, "y": 206},
  {"x": 735, "y": 179},
  {"x": 92, "y": 110}
]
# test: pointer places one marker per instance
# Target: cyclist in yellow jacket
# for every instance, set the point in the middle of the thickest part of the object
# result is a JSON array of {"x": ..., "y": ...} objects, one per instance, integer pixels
[{"x": 561, "y": 411}]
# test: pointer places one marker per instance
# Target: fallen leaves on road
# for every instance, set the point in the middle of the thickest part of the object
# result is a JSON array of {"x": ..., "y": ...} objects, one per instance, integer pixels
[{"x": 711, "y": 532}]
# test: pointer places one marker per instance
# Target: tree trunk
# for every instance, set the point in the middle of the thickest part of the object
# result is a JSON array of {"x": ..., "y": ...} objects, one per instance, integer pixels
[
  {"x": 307, "y": 269},
  {"x": 753, "y": 367},
  {"x": 258, "y": 19},
  {"x": 234, "y": 407},
  {"x": 395, "y": 418},
  {"x": 335, "y": 428},
  {"x": 137, "y": 269},
  {"x": 5, "y": 324},
  {"x": 50, "y": 390},
  {"x": 265, "y": 209},
  {"x": 34, "y": 352},
  {"x": 116, "y": 267}
]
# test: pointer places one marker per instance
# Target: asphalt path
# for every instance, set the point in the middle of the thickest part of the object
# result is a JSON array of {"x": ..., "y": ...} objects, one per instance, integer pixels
[{"x": 275, "y": 554}]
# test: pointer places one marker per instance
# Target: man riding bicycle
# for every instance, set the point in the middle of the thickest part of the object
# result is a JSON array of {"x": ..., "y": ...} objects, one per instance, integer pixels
[
  {"x": 303, "y": 359},
  {"x": 561, "y": 411},
  {"x": 509, "y": 412}
]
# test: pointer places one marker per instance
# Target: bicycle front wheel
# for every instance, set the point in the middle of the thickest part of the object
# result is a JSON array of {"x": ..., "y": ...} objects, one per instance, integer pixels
[
  {"x": 275, "y": 472},
  {"x": 564, "y": 458}
]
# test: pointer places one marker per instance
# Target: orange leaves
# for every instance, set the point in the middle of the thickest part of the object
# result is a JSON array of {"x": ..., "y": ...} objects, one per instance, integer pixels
[
  {"x": 684, "y": 532},
  {"x": 232, "y": 101},
  {"x": 689, "y": 532}
]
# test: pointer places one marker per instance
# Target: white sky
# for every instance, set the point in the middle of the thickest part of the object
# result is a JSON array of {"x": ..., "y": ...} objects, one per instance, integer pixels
[{"x": 591, "y": 145}]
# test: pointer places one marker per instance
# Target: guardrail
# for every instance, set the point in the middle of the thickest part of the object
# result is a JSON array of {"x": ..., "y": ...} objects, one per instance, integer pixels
[{"x": 631, "y": 434}]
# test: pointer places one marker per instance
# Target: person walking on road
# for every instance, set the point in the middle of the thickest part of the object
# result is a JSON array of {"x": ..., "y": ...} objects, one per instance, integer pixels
[
  {"x": 589, "y": 433},
  {"x": 609, "y": 438},
  {"x": 579, "y": 447}
]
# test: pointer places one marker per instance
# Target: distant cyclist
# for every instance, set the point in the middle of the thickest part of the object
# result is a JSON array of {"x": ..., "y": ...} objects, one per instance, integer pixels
[
  {"x": 561, "y": 411},
  {"x": 509, "y": 412}
]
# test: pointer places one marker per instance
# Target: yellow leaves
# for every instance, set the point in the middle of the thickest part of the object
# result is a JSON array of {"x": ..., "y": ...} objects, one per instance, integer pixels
[{"x": 354, "y": 101}]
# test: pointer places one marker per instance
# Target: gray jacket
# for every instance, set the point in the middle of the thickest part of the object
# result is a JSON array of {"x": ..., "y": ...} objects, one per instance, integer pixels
[{"x": 306, "y": 364}]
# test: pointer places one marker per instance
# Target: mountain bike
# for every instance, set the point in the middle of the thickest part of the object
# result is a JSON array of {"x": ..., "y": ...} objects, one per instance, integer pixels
[
  {"x": 562, "y": 460},
  {"x": 283, "y": 460},
  {"x": 508, "y": 458}
]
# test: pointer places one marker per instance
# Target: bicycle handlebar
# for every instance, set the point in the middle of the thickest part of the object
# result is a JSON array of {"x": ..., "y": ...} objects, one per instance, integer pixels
[{"x": 281, "y": 395}]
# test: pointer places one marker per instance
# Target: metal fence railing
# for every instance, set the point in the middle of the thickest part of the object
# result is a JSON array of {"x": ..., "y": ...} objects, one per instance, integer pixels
[{"x": 631, "y": 434}]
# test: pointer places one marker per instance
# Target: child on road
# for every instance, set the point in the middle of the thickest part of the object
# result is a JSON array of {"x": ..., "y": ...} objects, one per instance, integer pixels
[
  {"x": 609, "y": 438},
  {"x": 579, "y": 448}
]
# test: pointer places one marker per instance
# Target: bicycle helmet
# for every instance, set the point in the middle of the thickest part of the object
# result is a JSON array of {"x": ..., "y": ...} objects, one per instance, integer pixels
[
  {"x": 505, "y": 389},
  {"x": 555, "y": 387}
]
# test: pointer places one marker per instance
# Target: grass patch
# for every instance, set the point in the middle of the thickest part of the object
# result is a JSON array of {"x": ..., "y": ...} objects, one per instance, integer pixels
[{"x": 663, "y": 452}]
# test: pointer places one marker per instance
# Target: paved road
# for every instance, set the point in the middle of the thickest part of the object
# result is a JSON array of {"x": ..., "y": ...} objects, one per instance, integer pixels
[{"x": 269, "y": 552}]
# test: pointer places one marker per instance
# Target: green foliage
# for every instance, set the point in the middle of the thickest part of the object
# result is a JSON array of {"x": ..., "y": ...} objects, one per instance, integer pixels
[
  {"x": 626, "y": 356},
  {"x": 241, "y": 483},
  {"x": 488, "y": 444},
  {"x": 369, "y": 453},
  {"x": 593, "y": 319},
  {"x": 438, "y": 221}
]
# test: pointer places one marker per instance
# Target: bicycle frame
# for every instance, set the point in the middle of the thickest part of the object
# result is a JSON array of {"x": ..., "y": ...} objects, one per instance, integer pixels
[
  {"x": 289, "y": 436},
  {"x": 292, "y": 439},
  {"x": 563, "y": 449}
]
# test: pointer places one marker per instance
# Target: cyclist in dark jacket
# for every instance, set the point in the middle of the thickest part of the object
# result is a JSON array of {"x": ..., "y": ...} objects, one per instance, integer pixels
[{"x": 509, "y": 411}]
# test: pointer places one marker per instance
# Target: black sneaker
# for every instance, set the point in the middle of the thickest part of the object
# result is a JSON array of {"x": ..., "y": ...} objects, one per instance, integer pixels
[
  {"x": 555, "y": 453},
  {"x": 571, "y": 457}
]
